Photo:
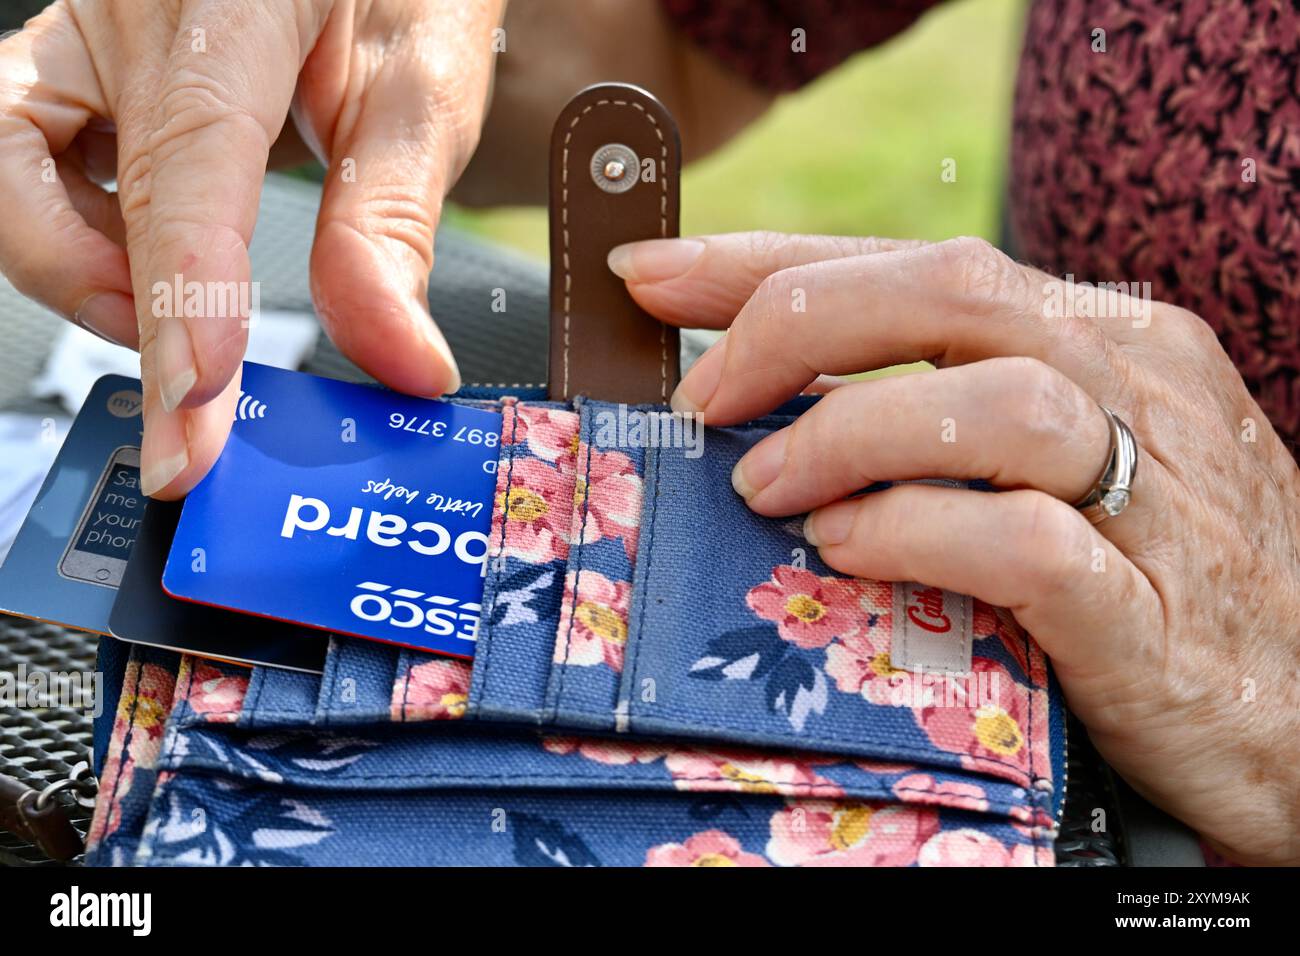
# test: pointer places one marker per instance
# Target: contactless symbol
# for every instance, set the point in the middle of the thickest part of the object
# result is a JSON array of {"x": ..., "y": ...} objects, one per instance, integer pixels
[{"x": 249, "y": 408}]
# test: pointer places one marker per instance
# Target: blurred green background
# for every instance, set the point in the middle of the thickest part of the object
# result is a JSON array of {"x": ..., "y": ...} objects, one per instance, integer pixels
[{"x": 862, "y": 150}]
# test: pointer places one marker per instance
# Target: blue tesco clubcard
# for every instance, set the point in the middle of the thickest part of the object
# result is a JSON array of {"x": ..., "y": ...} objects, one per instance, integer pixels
[{"x": 345, "y": 507}]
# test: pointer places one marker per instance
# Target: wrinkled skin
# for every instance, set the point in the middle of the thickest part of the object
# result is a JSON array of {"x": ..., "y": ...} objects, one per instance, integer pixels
[
  {"x": 181, "y": 102},
  {"x": 1173, "y": 627}
]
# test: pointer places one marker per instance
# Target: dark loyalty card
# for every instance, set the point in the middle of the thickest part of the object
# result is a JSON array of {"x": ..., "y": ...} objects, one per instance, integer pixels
[
  {"x": 144, "y": 614},
  {"x": 69, "y": 555},
  {"x": 347, "y": 508}
]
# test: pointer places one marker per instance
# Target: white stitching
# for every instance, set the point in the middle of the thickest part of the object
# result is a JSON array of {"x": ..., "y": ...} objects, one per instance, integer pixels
[{"x": 564, "y": 224}]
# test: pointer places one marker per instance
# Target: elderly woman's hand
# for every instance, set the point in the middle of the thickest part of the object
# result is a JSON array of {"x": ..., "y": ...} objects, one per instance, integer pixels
[
  {"x": 180, "y": 102},
  {"x": 1174, "y": 627}
]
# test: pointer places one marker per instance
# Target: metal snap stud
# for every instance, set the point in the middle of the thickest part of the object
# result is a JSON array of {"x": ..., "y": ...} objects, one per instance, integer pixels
[{"x": 614, "y": 168}]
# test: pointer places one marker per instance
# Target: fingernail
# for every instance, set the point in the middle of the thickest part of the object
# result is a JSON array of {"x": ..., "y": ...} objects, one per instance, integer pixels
[
  {"x": 760, "y": 466},
  {"x": 830, "y": 525},
  {"x": 107, "y": 315},
  {"x": 654, "y": 260},
  {"x": 823, "y": 384},
  {"x": 175, "y": 355},
  {"x": 697, "y": 388},
  {"x": 440, "y": 344},
  {"x": 164, "y": 453}
]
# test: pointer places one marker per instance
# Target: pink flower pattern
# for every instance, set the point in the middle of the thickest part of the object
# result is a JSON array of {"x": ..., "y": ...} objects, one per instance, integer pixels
[
  {"x": 990, "y": 735},
  {"x": 218, "y": 697},
  {"x": 849, "y": 833},
  {"x": 710, "y": 848},
  {"x": 606, "y": 498},
  {"x": 533, "y": 507},
  {"x": 860, "y": 664},
  {"x": 613, "y": 753},
  {"x": 146, "y": 701},
  {"x": 533, "y": 502},
  {"x": 809, "y": 611},
  {"x": 147, "y": 712},
  {"x": 593, "y": 628},
  {"x": 749, "y": 772},
  {"x": 923, "y": 788},
  {"x": 433, "y": 690},
  {"x": 700, "y": 770},
  {"x": 970, "y": 847},
  {"x": 550, "y": 434}
]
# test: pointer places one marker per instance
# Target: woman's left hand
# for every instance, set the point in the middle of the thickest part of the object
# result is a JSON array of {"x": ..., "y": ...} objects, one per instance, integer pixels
[{"x": 1174, "y": 627}]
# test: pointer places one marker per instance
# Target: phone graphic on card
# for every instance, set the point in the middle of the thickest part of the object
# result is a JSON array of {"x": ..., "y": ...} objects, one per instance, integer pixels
[{"x": 98, "y": 551}]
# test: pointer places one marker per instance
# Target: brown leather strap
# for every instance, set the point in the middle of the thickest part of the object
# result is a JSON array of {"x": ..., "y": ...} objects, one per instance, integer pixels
[
  {"x": 603, "y": 345},
  {"x": 45, "y": 827}
]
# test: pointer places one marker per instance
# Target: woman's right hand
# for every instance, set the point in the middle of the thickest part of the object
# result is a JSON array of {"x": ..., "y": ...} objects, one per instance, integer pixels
[{"x": 180, "y": 102}]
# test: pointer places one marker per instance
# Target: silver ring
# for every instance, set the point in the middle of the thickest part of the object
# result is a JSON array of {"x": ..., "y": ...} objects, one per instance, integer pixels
[{"x": 1113, "y": 490}]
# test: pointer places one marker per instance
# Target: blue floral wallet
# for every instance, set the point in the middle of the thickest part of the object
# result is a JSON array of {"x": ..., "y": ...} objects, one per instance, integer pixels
[{"x": 660, "y": 677}]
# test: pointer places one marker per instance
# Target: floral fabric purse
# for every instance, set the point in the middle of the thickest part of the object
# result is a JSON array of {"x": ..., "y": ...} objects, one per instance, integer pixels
[{"x": 662, "y": 677}]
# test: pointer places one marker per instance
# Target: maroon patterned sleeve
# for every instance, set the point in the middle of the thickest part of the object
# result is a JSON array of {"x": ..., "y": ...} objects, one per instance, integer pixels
[{"x": 758, "y": 39}]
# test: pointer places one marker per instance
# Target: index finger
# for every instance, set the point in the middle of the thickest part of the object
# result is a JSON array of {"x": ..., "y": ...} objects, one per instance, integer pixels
[
  {"x": 950, "y": 303},
  {"x": 703, "y": 281},
  {"x": 195, "y": 174},
  {"x": 225, "y": 94}
]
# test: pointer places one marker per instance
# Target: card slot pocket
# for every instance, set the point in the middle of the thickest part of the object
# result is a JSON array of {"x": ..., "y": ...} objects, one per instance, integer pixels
[
  {"x": 368, "y": 682},
  {"x": 236, "y": 774},
  {"x": 364, "y": 683},
  {"x": 429, "y": 688},
  {"x": 203, "y": 737},
  {"x": 391, "y": 758},
  {"x": 739, "y": 634},
  {"x": 357, "y": 685},
  {"x": 591, "y": 634},
  {"x": 355, "y": 688},
  {"x": 532, "y": 519},
  {"x": 563, "y": 510},
  {"x": 279, "y": 698},
  {"x": 233, "y": 823},
  {"x": 727, "y": 630}
]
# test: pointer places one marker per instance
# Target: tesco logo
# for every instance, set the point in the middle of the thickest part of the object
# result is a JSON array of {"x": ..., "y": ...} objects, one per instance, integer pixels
[{"x": 435, "y": 614}]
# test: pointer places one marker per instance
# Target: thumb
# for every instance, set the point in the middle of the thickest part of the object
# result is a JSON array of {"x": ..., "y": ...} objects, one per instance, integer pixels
[{"x": 389, "y": 171}]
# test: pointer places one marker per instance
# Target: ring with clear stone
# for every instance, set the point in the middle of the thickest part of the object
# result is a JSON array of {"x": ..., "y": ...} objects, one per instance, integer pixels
[{"x": 1113, "y": 490}]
